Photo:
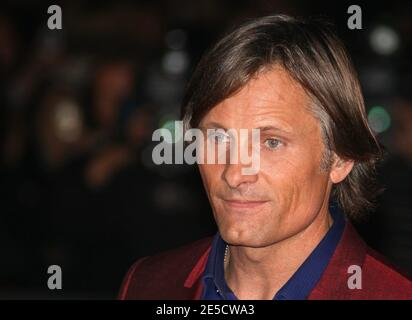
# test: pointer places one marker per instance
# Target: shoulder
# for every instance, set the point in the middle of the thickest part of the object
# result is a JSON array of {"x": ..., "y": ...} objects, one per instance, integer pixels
[
  {"x": 157, "y": 275},
  {"x": 358, "y": 272},
  {"x": 383, "y": 279}
]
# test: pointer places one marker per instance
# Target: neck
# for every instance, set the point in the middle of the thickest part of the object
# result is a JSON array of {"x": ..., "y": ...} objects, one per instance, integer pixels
[{"x": 258, "y": 273}]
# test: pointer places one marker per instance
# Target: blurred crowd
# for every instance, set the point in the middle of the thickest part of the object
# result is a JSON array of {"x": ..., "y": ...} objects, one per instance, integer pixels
[{"x": 79, "y": 105}]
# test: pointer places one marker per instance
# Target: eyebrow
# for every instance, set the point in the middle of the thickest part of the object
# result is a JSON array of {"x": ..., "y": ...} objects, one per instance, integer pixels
[
  {"x": 213, "y": 125},
  {"x": 269, "y": 128},
  {"x": 216, "y": 125}
]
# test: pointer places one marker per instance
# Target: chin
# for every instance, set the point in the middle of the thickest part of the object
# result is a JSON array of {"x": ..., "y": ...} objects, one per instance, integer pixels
[
  {"x": 236, "y": 236},
  {"x": 254, "y": 234},
  {"x": 245, "y": 230}
]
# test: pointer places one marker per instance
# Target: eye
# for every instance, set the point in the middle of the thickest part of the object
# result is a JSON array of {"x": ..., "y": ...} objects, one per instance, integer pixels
[
  {"x": 218, "y": 137},
  {"x": 272, "y": 143}
]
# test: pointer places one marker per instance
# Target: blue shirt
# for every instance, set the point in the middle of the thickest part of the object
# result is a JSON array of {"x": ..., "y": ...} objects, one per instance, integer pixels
[{"x": 298, "y": 287}]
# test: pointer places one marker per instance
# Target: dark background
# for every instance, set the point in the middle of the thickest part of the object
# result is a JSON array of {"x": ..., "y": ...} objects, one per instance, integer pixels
[{"x": 78, "y": 107}]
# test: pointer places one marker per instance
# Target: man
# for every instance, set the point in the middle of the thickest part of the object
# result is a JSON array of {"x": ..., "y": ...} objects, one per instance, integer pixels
[{"x": 284, "y": 231}]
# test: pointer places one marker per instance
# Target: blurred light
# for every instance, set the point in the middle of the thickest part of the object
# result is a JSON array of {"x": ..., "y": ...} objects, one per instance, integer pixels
[
  {"x": 68, "y": 121},
  {"x": 378, "y": 80},
  {"x": 168, "y": 123},
  {"x": 176, "y": 39},
  {"x": 167, "y": 195},
  {"x": 175, "y": 62},
  {"x": 379, "y": 119},
  {"x": 384, "y": 40}
]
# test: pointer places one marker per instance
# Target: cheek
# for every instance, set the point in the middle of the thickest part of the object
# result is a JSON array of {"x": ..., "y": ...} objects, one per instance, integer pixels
[
  {"x": 297, "y": 189},
  {"x": 294, "y": 175}
]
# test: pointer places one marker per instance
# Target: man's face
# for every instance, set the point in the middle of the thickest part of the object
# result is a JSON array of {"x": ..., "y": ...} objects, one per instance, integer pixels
[{"x": 287, "y": 193}]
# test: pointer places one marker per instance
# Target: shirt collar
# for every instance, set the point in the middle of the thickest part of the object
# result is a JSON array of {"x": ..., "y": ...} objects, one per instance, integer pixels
[{"x": 298, "y": 286}]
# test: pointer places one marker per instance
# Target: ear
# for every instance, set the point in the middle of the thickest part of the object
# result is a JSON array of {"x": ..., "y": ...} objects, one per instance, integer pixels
[{"x": 340, "y": 169}]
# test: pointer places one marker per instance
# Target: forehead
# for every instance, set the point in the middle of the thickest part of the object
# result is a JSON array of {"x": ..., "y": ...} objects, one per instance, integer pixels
[{"x": 272, "y": 97}]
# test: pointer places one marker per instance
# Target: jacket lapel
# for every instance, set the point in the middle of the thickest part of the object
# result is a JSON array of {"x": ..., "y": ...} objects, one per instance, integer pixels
[
  {"x": 194, "y": 280},
  {"x": 333, "y": 284}
]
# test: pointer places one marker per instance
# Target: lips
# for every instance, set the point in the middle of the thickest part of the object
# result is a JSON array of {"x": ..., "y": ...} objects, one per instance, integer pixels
[{"x": 244, "y": 204}]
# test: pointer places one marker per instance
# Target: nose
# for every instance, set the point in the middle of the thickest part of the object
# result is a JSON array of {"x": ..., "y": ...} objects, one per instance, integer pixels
[{"x": 233, "y": 176}]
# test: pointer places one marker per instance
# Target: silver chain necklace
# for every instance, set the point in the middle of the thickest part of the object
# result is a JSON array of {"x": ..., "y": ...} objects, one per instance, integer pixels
[{"x": 226, "y": 252}]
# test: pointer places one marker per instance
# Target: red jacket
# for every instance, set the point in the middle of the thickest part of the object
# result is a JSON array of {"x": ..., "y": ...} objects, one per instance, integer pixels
[{"x": 177, "y": 274}]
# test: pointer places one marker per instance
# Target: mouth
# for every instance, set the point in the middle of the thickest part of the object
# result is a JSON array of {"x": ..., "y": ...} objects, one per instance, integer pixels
[{"x": 243, "y": 204}]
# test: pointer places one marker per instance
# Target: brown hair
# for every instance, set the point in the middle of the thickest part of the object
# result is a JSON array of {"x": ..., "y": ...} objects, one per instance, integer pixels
[{"x": 313, "y": 55}]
